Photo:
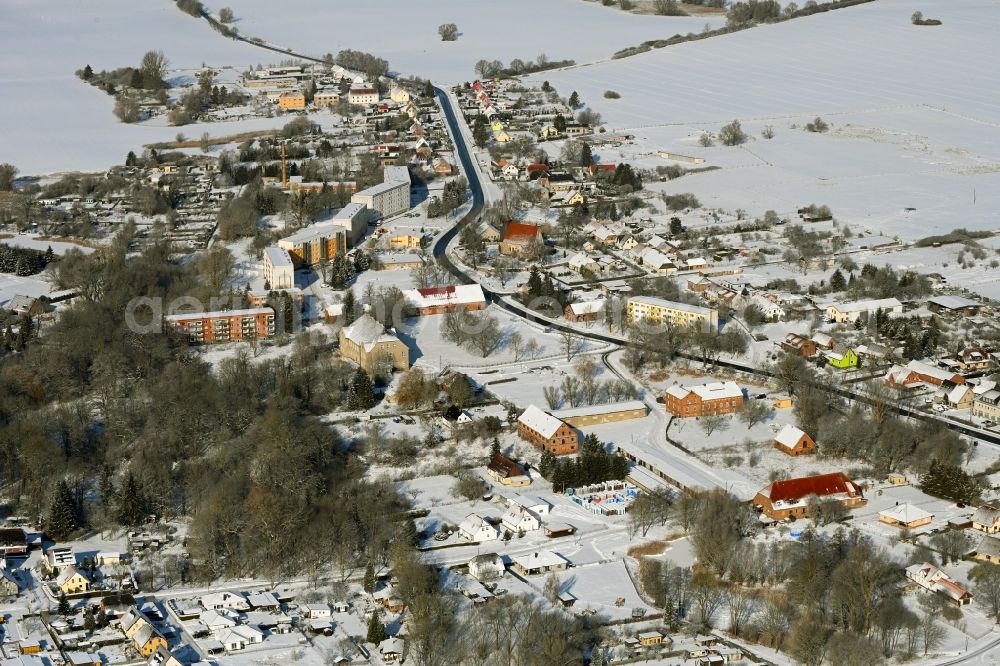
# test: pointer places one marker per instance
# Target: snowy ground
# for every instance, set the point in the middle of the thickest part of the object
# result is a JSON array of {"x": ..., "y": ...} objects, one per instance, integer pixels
[
  {"x": 913, "y": 113},
  {"x": 408, "y": 38},
  {"x": 60, "y": 123}
]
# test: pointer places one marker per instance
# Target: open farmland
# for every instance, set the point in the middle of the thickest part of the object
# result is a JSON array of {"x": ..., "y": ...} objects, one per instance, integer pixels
[{"x": 913, "y": 113}]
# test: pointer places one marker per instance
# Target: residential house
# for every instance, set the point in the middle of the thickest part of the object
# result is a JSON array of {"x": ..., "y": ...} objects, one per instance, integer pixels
[
  {"x": 76, "y": 658},
  {"x": 538, "y": 563},
  {"x": 366, "y": 342},
  {"x": 362, "y": 94},
  {"x": 144, "y": 636},
  {"x": 842, "y": 360},
  {"x": 10, "y": 586},
  {"x": 823, "y": 340},
  {"x": 239, "y": 637},
  {"x": 988, "y": 550},
  {"x": 790, "y": 498},
  {"x": 217, "y": 620},
  {"x": 585, "y": 311},
  {"x": 506, "y": 472},
  {"x": 794, "y": 442},
  {"x": 326, "y": 97},
  {"x": 987, "y": 519},
  {"x": 581, "y": 263},
  {"x": 518, "y": 237},
  {"x": 489, "y": 233},
  {"x": 987, "y": 405},
  {"x": 851, "y": 312},
  {"x": 476, "y": 528},
  {"x": 930, "y": 578},
  {"x": 486, "y": 567},
  {"x": 162, "y": 657},
  {"x": 704, "y": 399},
  {"x": 229, "y": 600},
  {"x": 71, "y": 581},
  {"x": 905, "y": 516},
  {"x": 518, "y": 519},
  {"x": 915, "y": 373},
  {"x": 547, "y": 432},
  {"x": 392, "y": 649},
  {"x": 317, "y": 611},
  {"x": 58, "y": 558},
  {"x": 648, "y": 638},
  {"x": 799, "y": 344},
  {"x": 960, "y": 397}
]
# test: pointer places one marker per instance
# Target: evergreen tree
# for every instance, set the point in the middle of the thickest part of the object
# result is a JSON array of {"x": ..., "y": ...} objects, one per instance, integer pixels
[
  {"x": 428, "y": 89},
  {"x": 547, "y": 464},
  {"x": 837, "y": 281},
  {"x": 106, "y": 486},
  {"x": 49, "y": 257},
  {"x": 586, "y": 156},
  {"x": 361, "y": 394},
  {"x": 949, "y": 482},
  {"x": 559, "y": 123},
  {"x": 62, "y": 514},
  {"x": 131, "y": 503},
  {"x": 89, "y": 623},
  {"x": 131, "y": 159},
  {"x": 534, "y": 281},
  {"x": 376, "y": 630},
  {"x": 88, "y": 72},
  {"x": 495, "y": 447},
  {"x": 369, "y": 582},
  {"x": 480, "y": 131},
  {"x": 350, "y": 304},
  {"x": 64, "y": 608},
  {"x": 574, "y": 100}
]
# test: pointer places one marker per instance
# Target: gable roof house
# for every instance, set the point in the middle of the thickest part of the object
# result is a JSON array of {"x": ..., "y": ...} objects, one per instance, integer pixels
[
  {"x": 987, "y": 519},
  {"x": 930, "y": 578},
  {"x": 704, "y": 399},
  {"x": 476, "y": 528},
  {"x": 507, "y": 472},
  {"x": 794, "y": 442},
  {"x": 789, "y": 498},
  {"x": 547, "y": 432},
  {"x": 518, "y": 519},
  {"x": 915, "y": 373},
  {"x": 366, "y": 341},
  {"x": 486, "y": 567},
  {"x": 518, "y": 237},
  {"x": 799, "y": 344}
]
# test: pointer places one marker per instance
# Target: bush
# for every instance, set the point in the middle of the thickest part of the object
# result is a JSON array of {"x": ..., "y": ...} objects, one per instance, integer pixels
[
  {"x": 732, "y": 134},
  {"x": 818, "y": 125},
  {"x": 448, "y": 32},
  {"x": 611, "y": 94}
]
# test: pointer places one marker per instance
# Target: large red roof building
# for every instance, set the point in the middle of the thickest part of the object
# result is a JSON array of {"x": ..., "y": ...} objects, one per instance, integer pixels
[{"x": 790, "y": 498}]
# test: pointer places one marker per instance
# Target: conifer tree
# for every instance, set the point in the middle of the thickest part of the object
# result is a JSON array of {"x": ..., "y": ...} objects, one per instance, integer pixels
[
  {"x": 376, "y": 630},
  {"x": 62, "y": 514},
  {"x": 369, "y": 582}
]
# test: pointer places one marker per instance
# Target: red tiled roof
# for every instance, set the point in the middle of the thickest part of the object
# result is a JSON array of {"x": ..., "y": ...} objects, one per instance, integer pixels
[
  {"x": 519, "y": 230},
  {"x": 505, "y": 467},
  {"x": 437, "y": 291},
  {"x": 594, "y": 168},
  {"x": 537, "y": 167},
  {"x": 792, "y": 490}
]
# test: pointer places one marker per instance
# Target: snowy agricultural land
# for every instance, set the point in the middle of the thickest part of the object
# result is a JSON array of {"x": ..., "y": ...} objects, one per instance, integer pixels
[
  {"x": 914, "y": 114},
  {"x": 407, "y": 36}
]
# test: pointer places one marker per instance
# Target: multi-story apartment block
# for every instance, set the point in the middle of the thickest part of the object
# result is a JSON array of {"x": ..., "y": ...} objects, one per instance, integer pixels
[
  {"x": 649, "y": 308},
  {"x": 225, "y": 325}
]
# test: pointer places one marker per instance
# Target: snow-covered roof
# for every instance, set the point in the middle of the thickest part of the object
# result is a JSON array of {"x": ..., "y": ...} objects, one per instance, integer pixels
[
  {"x": 278, "y": 256},
  {"x": 710, "y": 391},
  {"x": 367, "y": 331},
  {"x": 952, "y": 302},
  {"x": 789, "y": 436},
  {"x": 545, "y": 558},
  {"x": 472, "y": 523},
  {"x": 250, "y": 312},
  {"x": 672, "y": 305},
  {"x": 606, "y": 408},
  {"x": 541, "y": 422},
  {"x": 869, "y": 305},
  {"x": 448, "y": 295},
  {"x": 314, "y": 231},
  {"x": 905, "y": 513},
  {"x": 586, "y": 307}
]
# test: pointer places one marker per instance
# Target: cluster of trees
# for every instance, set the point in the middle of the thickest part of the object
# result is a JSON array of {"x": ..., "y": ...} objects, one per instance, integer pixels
[
  {"x": 593, "y": 465},
  {"x": 583, "y": 388},
  {"x": 192, "y": 7},
  {"x": 545, "y": 289},
  {"x": 752, "y": 11},
  {"x": 488, "y": 69},
  {"x": 660, "y": 343},
  {"x": 626, "y": 179},
  {"x": 478, "y": 330},
  {"x": 818, "y": 125},
  {"x": 365, "y": 63},
  {"x": 136, "y": 426},
  {"x": 24, "y": 261},
  {"x": 448, "y": 32},
  {"x": 452, "y": 197}
]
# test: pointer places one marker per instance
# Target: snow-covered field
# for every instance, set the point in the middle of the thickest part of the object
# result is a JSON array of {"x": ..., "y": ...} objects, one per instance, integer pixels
[
  {"x": 405, "y": 33},
  {"x": 913, "y": 112},
  {"x": 53, "y": 121}
]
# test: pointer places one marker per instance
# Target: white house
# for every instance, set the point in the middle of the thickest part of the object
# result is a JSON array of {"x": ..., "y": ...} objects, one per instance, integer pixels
[
  {"x": 932, "y": 579},
  {"x": 486, "y": 567},
  {"x": 238, "y": 637},
  {"x": 317, "y": 611},
  {"x": 520, "y": 520},
  {"x": 217, "y": 620},
  {"x": 476, "y": 528},
  {"x": 230, "y": 600}
]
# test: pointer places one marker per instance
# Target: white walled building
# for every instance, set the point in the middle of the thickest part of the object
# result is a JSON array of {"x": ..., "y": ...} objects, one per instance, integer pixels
[{"x": 279, "y": 271}]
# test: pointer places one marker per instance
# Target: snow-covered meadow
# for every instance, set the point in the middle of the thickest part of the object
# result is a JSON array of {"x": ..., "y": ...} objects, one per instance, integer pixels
[{"x": 913, "y": 110}]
